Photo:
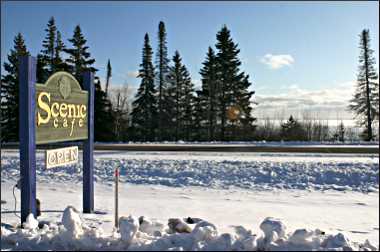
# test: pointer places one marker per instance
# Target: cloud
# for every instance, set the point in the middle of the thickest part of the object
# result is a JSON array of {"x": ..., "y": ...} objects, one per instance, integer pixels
[
  {"x": 197, "y": 84},
  {"x": 277, "y": 61},
  {"x": 328, "y": 103},
  {"x": 133, "y": 74}
]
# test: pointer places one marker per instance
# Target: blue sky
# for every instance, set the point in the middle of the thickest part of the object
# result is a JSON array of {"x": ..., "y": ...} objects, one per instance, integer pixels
[{"x": 293, "y": 51}]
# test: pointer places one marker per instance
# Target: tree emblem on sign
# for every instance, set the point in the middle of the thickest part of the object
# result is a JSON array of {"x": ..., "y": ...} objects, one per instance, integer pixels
[{"x": 64, "y": 87}]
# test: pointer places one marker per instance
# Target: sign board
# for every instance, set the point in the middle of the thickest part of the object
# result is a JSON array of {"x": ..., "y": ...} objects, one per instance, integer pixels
[
  {"x": 61, "y": 110},
  {"x": 61, "y": 156}
]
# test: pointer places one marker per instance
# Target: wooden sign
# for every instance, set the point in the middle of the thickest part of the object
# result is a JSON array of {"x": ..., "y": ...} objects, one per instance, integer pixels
[
  {"x": 61, "y": 110},
  {"x": 61, "y": 156}
]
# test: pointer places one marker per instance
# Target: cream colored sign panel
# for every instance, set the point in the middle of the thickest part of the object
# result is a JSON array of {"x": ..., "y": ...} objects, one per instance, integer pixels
[{"x": 61, "y": 156}]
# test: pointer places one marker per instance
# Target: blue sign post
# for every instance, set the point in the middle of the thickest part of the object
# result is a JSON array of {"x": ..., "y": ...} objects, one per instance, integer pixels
[
  {"x": 88, "y": 147},
  {"x": 27, "y": 130}
]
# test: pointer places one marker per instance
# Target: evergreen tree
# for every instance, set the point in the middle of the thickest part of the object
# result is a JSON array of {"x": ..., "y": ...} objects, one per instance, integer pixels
[
  {"x": 10, "y": 91},
  {"x": 341, "y": 132},
  {"x": 79, "y": 59},
  {"x": 209, "y": 94},
  {"x": 103, "y": 115},
  {"x": 232, "y": 86},
  {"x": 49, "y": 44},
  {"x": 59, "y": 63},
  {"x": 49, "y": 60},
  {"x": 292, "y": 130},
  {"x": 365, "y": 103},
  {"x": 144, "y": 111},
  {"x": 181, "y": 101},
  {"x": 109, "y": 74},
  {"x": 162, "y": 66}
]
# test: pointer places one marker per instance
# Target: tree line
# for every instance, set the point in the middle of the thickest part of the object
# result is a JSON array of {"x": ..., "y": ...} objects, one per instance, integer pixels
[{"x": 167, "y": 107}]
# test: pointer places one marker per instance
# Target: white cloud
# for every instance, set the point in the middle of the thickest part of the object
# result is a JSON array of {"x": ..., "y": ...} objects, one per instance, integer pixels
[
  {"x": 328, "y": 103},
  {"x": 197, "y": 84},
  {"x": 133, "y": 74},
  {"x": 277, "y": 61}
]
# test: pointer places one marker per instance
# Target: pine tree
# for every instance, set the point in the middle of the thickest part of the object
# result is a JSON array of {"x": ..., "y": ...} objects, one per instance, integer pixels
[
  {"x": 109, "y": 74},
  {"x": 292, "y": 130},
  {"x": 144, "y": 111},
  {"x": 232, "y": 86},
  {"x": 181, "y": 100},
  {"x": 79, "y": 59},
  {"x": 49, "y": 60},
  {"x": 341, "y": 132},
  {"x": 365, "y": 103},
  {"x": 59, "y": 63},
  {"x": 10, "y": 91},
  {"x": 103, "y": 115},
  {"x": 162, "y": 66},
  {"x": 49, "y": 44},
  {"x": 209, "y": 94}
]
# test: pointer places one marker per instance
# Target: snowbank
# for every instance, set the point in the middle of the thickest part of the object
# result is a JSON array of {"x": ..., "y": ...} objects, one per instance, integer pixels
[
  {"x": 218, "y": 170},
  {"x": 74, "y": 234}
]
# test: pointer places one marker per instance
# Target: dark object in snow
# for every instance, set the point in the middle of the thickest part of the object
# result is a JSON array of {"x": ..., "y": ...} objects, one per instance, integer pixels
[
  {"x": 42, "y": 223},
  {"x": 38, "y": 207},
  {"x": 178, "y": 226},
  {"x": 141, "y": 219},
  {"x": 3, "y": 202},
  {"x": 190, "y": 220}
]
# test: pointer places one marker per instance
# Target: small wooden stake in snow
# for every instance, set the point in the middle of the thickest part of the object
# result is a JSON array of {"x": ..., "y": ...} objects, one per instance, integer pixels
[{"x": 117, "y": 197}]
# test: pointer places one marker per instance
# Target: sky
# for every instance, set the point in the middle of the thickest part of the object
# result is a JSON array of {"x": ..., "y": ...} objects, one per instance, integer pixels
[{"x": 302, "y": 57}]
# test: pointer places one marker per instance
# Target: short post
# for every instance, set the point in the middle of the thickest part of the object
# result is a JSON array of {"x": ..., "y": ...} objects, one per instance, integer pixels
[
  {"x": 117, "y": 173},
  {"x": 27, "y": 131},
  {"x": 88, "y": 146}
]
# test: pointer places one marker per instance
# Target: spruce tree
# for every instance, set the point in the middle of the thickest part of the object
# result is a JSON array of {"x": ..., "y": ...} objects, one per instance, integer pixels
[
  {"x": 365, "y": 103},
  {"x": 49, "y": 45},
  {"x": 10, "y": 91},
  {"x": 292, "y": 130},
  {"x": 144, "y": 111},
  {"x": 162, "y": 69},
  {"x": 209, "y": 94},
  {"x": 108, "y": 77},
  {"x": 232, "y": 86},
  {"x": 103, "y": 115},
  {"x": 181, "y": 100},
  {"x": 49, "y": 60},
  {"x": 79, "y": 59},
  {"x": 341, "y": 132},
  {"x": 59, "y": 63}
]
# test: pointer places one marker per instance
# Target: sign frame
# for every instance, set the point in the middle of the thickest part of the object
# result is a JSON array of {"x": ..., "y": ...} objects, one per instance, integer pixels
[{"x": 27, "y": 133}]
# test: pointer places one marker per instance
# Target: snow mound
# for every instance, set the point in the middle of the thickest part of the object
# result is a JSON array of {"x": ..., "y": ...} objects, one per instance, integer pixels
[
  {"x": 31, "y": 222},
  {"x": 128, "y": 227},
  {"x": 139, "y": 234},
  {"x": 273, "y": 229},
  {"x": 72, "y": 221}
]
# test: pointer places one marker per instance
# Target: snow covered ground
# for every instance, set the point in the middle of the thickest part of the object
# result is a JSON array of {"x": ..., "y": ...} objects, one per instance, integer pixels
[{"x": 337, "y": 194}]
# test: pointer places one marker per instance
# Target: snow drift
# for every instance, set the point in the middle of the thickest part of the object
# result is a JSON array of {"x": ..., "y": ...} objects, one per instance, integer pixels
[
  {"x": 142, "y": 234},
  {"x": 220, "y": 170}
]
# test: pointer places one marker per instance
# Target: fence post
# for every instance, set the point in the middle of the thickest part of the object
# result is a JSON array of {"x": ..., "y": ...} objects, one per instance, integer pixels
[
  {"x": 88, "y": 146},
  {"x": 27, "y": 137},
  {"x": 117, "y": 173}
]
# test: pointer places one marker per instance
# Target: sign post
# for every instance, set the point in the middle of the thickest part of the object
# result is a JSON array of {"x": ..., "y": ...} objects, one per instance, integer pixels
[
  {"x": 56, "y": 111},
  {"x": 27, "y": 131},
  {"x": 88, "y": 147}
]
